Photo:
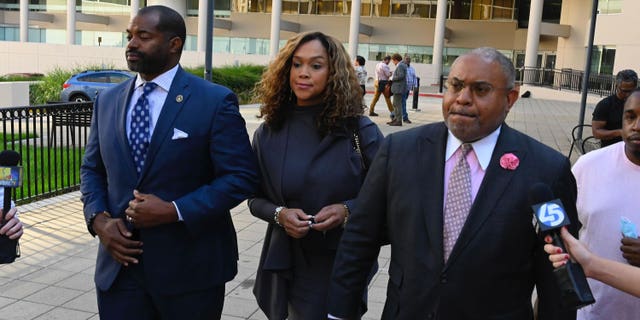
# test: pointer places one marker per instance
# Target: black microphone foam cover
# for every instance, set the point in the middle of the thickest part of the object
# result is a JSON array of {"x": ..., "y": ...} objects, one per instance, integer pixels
[
  {"x": 539, "y": 193},
  {"x": 9, "y": 158}
]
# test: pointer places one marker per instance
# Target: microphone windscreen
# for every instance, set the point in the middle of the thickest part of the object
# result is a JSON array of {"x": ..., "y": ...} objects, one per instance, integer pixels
[
  {"x": 539, "y": 193},
  {"x": 9, "y": 158}
]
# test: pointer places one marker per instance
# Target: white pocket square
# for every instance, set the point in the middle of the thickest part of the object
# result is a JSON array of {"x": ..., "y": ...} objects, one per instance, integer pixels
[{"x": 179, "y": 134}]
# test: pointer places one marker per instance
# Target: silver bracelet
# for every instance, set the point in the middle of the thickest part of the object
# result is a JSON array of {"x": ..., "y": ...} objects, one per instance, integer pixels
[
  {"x": 346, "y": 215},
  {"x": 276, "y": 215}
]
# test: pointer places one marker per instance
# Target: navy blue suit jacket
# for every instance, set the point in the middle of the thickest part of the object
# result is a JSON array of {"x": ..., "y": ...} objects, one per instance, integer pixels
[
  {"x": 206, "y": 174},
  {"x": 498, "y": 257}
]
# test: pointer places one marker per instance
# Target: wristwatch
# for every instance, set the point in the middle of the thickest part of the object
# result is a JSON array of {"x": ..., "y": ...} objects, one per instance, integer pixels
[
  {"x": 92, "y": 219},
  {"x": 276, "y": 215}
]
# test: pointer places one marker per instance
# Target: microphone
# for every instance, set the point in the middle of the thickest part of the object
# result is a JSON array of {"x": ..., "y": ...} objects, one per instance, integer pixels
[
  {"x": 549, "y": 217},
  {"x": 10, "y": 176}
]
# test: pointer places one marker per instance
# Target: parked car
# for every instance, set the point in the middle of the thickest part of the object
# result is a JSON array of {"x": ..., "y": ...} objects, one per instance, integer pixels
[{"x": 86, "y": 85}]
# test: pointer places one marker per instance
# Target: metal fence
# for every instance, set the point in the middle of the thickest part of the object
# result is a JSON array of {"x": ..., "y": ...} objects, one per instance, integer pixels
[
  {"x": 51, "y": 140},
  {"x": 567, "y": 79}
]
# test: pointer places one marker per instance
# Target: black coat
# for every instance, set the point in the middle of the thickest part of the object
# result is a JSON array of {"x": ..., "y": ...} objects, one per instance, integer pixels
[
  {"x": 335, "y": 175},
  {"x": 498, "y": 258}
]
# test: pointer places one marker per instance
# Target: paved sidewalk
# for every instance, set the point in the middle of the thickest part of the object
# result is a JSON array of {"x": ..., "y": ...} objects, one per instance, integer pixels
[{"x": 54, "y": 277}]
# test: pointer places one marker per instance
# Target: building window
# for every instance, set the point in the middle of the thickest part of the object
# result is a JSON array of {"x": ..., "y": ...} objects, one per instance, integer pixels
[
  {"x": 551, "y": 10},
  {"x": 482, "y": 9},
  {"x": 503, "y": 9},
  {"x": 609, "y": 6},
  {"x": 602, "y": 59}
]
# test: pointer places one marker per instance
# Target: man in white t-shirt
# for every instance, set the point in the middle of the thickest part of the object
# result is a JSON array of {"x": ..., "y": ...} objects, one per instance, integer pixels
[{"x": 608, "y": 181}]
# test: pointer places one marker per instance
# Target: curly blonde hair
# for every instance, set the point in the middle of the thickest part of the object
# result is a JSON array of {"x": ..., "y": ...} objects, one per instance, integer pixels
[{"x": 342, "y": 96}]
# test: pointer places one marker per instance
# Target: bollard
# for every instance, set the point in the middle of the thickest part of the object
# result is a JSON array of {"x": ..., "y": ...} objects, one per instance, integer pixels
[{"x": 416, "y": 94}]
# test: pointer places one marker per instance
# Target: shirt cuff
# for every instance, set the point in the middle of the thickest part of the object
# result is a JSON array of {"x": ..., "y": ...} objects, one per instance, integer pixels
[{"x": 178, "y": 211}]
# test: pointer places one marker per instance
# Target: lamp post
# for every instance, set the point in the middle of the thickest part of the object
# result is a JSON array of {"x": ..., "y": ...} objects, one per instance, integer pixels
[
  {"x": 208, "y": 55},
  {"x": 587, "y": 68}
]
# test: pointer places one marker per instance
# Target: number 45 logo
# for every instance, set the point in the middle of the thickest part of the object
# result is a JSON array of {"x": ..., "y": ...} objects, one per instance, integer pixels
[{"x": 551, "y": 215}]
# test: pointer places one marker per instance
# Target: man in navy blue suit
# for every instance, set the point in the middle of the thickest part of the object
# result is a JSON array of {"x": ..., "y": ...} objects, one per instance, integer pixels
[{"x": 164, "y": 164}]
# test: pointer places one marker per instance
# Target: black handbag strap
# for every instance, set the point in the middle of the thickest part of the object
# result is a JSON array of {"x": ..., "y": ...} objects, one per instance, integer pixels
[{"x": 356, "y": 145}]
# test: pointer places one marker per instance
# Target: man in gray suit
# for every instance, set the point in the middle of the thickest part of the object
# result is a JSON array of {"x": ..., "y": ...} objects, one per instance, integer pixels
[
  {"x": 398, "y": 87},
  {"x": 485, "y": 267}
]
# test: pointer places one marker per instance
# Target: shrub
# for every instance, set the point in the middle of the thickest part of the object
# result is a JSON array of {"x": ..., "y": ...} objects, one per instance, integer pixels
[
  {"x": 240, "y": 79},
  {"x": 49, "y": 88}
]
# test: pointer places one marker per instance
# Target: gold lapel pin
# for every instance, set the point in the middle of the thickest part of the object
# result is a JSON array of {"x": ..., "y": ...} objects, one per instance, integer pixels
[{"x": 179, "y": 98}]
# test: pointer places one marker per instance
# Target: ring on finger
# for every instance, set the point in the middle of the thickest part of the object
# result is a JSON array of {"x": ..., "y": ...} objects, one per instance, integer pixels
[{"x": 129, "y": 219}]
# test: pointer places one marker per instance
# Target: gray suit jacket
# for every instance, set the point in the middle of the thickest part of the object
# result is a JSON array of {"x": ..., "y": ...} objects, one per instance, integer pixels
[
  {"x": 498, "y": 258},
  {"x": 399, "y": 84}
]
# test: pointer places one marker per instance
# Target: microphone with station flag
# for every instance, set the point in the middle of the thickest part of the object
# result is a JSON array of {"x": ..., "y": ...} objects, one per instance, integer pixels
[
  {"x": 549, "y": 217},
  {"x": 9, "y": 160},
  {"x": 10, "y": 177}
]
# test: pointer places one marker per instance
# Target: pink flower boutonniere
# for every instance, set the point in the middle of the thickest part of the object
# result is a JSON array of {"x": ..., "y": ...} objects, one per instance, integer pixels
[{"x": 509, "y": 161}]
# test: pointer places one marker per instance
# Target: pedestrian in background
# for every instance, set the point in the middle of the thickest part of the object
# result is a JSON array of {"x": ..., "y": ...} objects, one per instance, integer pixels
[
  {"x": 606, "y": 123},
  {"x": 383, "y": 73},
  {"x": 361, "y": 73},
  {"x": 398, "y": 88},
  {"x": 411, "y": 83}
]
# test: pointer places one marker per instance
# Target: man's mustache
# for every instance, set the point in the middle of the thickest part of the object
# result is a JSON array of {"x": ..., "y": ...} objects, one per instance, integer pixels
[{"x": 135, "y": 53}]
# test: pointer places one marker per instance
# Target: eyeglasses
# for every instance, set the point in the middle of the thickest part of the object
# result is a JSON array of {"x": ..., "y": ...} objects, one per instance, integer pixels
[
  {"x": 625, "y": 91},
  {"x": 479, "y": 89}
]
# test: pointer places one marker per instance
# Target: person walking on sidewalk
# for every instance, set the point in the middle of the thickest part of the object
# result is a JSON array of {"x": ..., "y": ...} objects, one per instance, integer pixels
[
  {"x": 382, "y": 77},
  {"x": 168, "y": 157},
  {"x": 398, "y": 88},
  {"x": 411, "y": 82},
  {"x": 313, "y": 149},
  {"x": 451, "y": 200}
]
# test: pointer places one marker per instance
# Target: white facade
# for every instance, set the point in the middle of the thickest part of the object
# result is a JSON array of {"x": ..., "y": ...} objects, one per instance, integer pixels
[{"x": 566, "y": 41}]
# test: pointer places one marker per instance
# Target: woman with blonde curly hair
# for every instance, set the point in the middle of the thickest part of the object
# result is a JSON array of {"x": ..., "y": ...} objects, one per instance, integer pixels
[{"x": 313, "y": 150}]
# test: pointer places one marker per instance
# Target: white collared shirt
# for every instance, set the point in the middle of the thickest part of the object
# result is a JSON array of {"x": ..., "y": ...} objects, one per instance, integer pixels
[
  {"x": 482, "y": 150},
  {"x": 156, "y": 97}
]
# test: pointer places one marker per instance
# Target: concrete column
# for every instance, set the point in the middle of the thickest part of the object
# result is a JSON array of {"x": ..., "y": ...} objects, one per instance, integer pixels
[
  {"x": 533, "y": 33},
  {"x": 178, "y": 5},
  {"x": 276, "y": 11},
  {"x": 71, "y": 22},
  {"x": 202, "y": 25},
  {"x": 354, "y": 28},
  {"x": 24, "y": 20},
  {"x": 135, "y": 7},
  {"x": 438, "y": 40}
]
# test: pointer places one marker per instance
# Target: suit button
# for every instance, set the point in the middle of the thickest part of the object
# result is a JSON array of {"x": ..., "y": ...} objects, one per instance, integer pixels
[{"x": 443, "y": 278}]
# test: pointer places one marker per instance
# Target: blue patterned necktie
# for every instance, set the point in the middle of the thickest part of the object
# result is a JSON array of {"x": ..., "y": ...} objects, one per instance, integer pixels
[
  {"x": 458, "y": 200},
  {"x": 139, "y": 135}
]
